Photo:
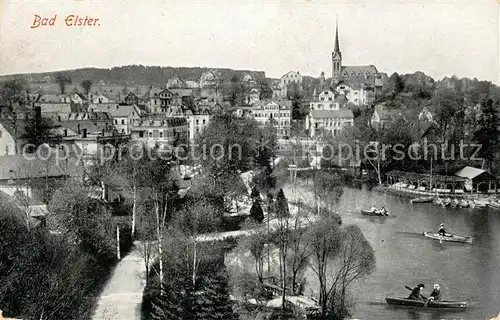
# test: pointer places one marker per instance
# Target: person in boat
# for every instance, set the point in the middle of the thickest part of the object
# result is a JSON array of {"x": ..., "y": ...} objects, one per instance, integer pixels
[
  {"x": 383, "y": 211},
  {"x": 416, "y": 293},
  {"x": 442, "y": 232},
  {"x": 436, "y": 293},
  {"x": 373, "y": 209}
]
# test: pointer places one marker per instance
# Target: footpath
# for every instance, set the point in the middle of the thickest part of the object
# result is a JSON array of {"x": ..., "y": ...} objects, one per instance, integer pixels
[{"x": 122, "y": 296}]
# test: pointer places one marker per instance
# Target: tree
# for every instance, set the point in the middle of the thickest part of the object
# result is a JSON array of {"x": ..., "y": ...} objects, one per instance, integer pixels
[
  {"x": 397, "y": 84},
  {"x": 281, "y": 238},
  {"x": 282, "y": 209},
  {"x": 255, "y": 194},
  {"x": 488, "y": 134},
  {"x": 298, "y": 257},
  {"x": 195, "y": 219},
  {"x": 62, "y": 81},
  {"x": 87, "y": 86},
  {"x": 256, "y": 212},
  {"x": 265, "y": 90},
  {"x": 356, "y": 259},
  {"x": 13, "y": 91},
  {"x": 39, "y": 131},
  {"x": 445, "y": 104},
  {"x": 325, "y": 245},
  {"x": 84, "y": 221}
]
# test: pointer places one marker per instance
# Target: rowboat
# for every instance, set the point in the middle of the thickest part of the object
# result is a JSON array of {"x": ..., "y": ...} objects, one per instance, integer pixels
[
  {"x": 444, "y": 304},
  {"x": 437, "y": 201},
  {"x": 448, "y": 237},
  {"x": 463, "y": 203},
  {"x": 422, "y": 200},
  {"x": 446, "y": 202},
  {"x": 480, "y": 204},
  {"x": 376, "y": 213},
  {"x": 494, "y": 205},
  {"x": 454, "y": 203}
]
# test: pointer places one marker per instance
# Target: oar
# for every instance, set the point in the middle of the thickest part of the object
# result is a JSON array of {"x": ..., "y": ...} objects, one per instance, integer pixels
[{"x": 409, "y": 288}]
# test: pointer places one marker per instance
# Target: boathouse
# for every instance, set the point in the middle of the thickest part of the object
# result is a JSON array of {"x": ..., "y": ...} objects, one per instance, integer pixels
[
  {"x": 477, "y": 180},
  {"x": 421, "y": 183}
]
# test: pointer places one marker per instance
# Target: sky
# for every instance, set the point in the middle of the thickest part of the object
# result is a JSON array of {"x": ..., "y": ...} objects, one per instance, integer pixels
[{"x": 440, "y": 38}]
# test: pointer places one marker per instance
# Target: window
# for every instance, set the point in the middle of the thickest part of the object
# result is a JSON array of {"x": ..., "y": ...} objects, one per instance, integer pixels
[
  {"x": 150, "y": 134},
  {"x": 141, "y": 134},
  {"x": 197, "y": 121},
  {"x": 6, "y": 150},
  {"x": 329, "y": 98},
  {"x": 0, "y": 133},
  {"x": 123, "y": 121},
  {"x": 203, "y": 121},
  {"x": 161, "y": 134}
]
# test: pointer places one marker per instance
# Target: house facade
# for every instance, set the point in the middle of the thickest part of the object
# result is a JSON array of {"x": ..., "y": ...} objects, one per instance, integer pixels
[
  {"x": 122, "y": 115},
  {"x": 160, "y": 130},
  {"x": 287, "y": 79},
  {"x": 274, "y": 113},
  {"x": 326, "y": 117},
  {"x": 197, "y": 122}
]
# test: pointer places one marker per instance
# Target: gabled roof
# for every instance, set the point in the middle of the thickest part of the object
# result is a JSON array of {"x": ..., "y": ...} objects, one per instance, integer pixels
[
  {"x": 341, "y": 113},
  {"x": 359, "y": 70},
  {"x": 21, "y": 125},
  {"x": 289, "y": 72},
  {"x": 470, "y": 172}
]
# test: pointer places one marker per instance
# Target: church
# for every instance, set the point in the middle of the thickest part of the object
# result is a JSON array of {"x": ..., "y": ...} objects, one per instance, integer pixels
[{"x": 359, "y": 84}]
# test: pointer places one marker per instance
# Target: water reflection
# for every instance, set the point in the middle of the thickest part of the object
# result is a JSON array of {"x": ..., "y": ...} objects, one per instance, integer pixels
[{"x": 405, "y": 257}]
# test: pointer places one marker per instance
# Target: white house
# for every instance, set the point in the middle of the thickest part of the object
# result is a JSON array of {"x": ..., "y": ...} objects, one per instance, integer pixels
[{"x": 277, "y": 114}]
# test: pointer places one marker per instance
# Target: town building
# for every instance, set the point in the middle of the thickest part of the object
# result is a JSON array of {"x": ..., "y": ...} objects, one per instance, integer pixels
[
  {"x": 326, "y": 117},
  {"x": 32, "y": 177},
  {"x": 477, "y": 180},
  {"x": 358, "y": 83},
  {"x": 97, "y": 98},
  {"x": 131, "y": 98},
  {"x": 122, "y": 115},
  {"x": 87, "y": 133},
  {"x": 274, "y": 113},
  {"x": 180, "y": 88},
  {"x": 210, "y": 83},
  {"x": 382, "y": 116},
  {"x": 287, "y": 79},
  {"x": 12, "y": 136},
  {"x": 197, "y": 121},
  {"x": 160, "y": 130}
]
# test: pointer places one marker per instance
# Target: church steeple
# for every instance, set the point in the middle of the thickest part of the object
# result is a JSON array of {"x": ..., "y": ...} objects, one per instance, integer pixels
[
  {"x": 336, "y": 49},
  {"x": 336, "y": 56}
]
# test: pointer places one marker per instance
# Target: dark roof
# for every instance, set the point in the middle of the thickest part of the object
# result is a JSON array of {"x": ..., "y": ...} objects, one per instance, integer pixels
[
  {"x": 21, "y": 125},
  {"x": 20, "y": 167},
  {"x": 341, "y": 113}
]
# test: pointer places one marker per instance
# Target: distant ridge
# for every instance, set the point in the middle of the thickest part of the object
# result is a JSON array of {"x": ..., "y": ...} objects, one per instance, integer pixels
[{"x": 136, "y": 74}]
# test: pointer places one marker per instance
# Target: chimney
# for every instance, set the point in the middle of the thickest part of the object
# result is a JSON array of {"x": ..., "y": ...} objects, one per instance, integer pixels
[
  {"x": 78, "y": 128},
  {"x": 59, "y": 118}
]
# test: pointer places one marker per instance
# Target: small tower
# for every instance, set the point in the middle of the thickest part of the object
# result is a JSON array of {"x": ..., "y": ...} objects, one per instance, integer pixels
[
  {"x": 336, "y": 57},
  {"x": 322, "y": 85}
]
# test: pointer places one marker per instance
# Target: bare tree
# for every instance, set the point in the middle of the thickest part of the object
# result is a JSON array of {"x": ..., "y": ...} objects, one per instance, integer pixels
[
  {"x": 325, "y": 238},
  {"x": 355, "y": 260},
  {"x": 299, "y": 251},
  {"x": 62, "y": 81}
]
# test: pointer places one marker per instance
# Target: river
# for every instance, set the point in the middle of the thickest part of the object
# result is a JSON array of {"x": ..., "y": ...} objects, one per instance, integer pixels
[{"x": 404, "y": 257}]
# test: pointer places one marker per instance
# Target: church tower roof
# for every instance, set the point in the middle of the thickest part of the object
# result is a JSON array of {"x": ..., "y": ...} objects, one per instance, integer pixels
[{"x": 337, "y": 46}]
